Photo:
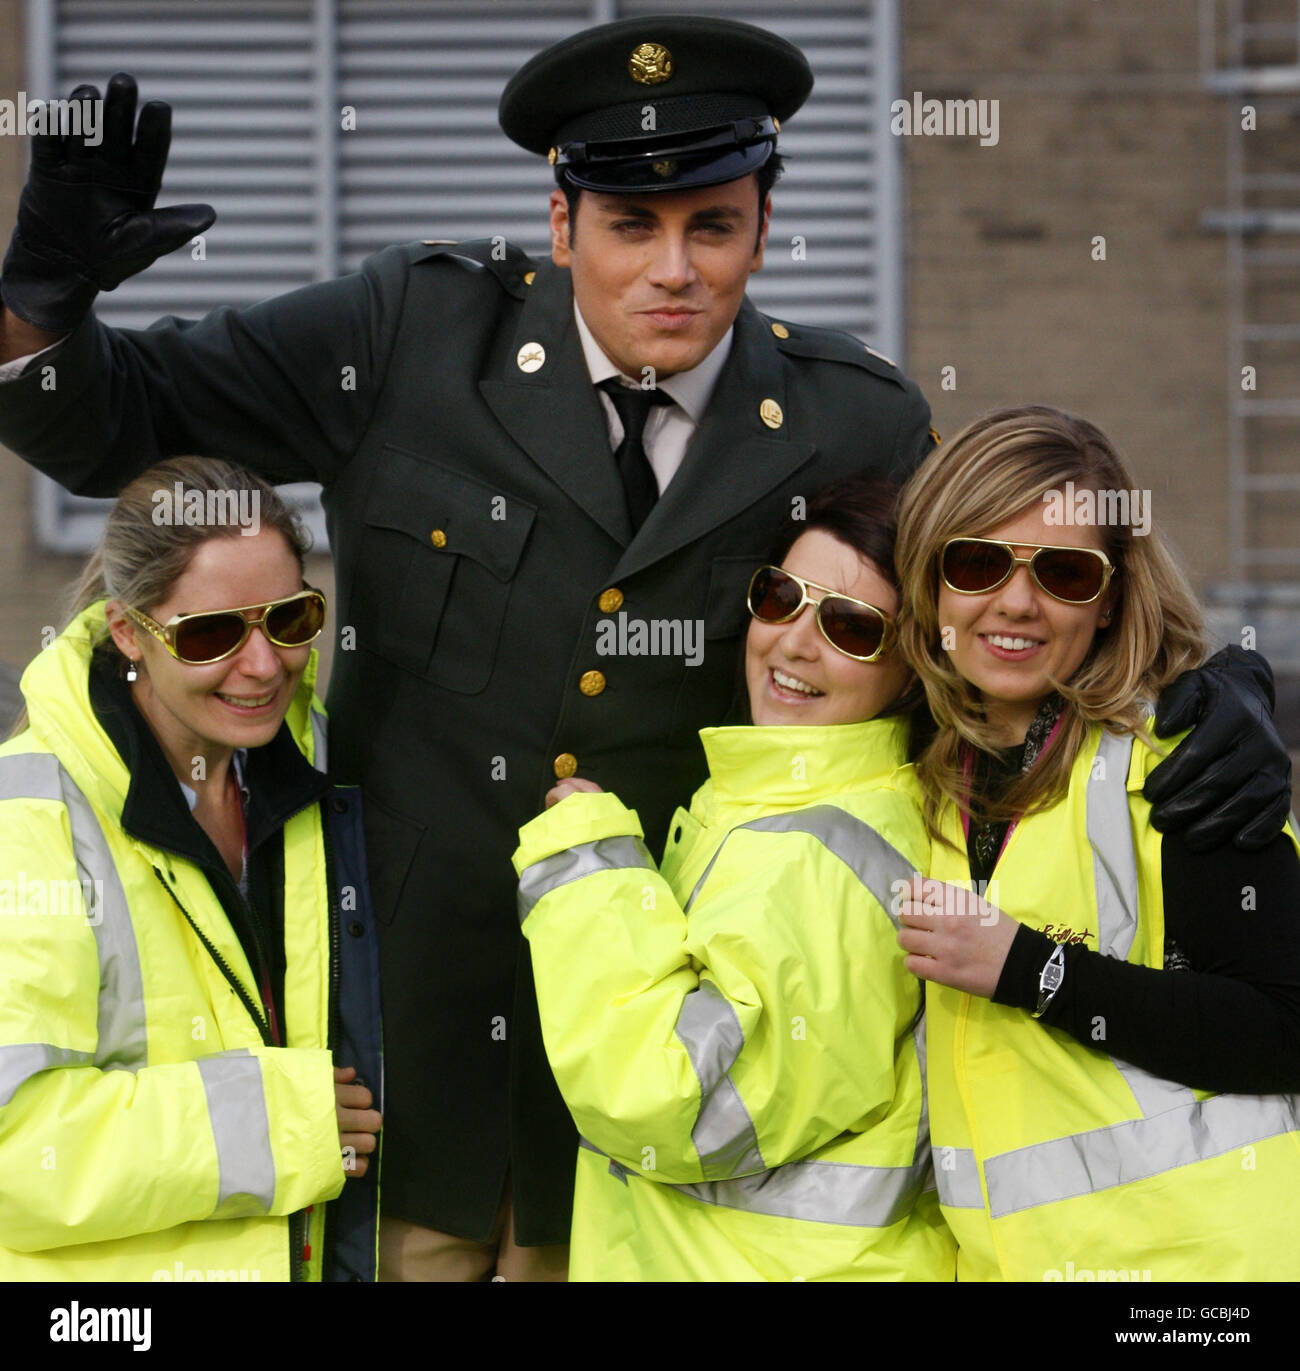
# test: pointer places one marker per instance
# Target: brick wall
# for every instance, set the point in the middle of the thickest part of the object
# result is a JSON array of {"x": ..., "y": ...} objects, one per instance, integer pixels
[{"x": 1104, "y": 131}]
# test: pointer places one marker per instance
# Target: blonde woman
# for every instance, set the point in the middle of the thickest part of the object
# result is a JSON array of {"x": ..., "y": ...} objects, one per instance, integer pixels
[
  {"x": 174, "y": 982},
  {"x": 1083, "y": 1015}
]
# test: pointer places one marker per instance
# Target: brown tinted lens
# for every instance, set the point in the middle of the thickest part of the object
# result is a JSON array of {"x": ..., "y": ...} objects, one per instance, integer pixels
[
  {"x": 208, "y": 636},
  {"x": 849, "y": 627},
  {"x": 1069, "y": 574},
  {"x": 297, "y": 622},
  {"x": 774, "y": 595},
  {"x": 974, "y": 567}
]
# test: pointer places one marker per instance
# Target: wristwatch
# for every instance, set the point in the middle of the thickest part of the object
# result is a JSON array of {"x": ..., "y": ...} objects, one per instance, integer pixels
[{"x": 1049, "y": 980}]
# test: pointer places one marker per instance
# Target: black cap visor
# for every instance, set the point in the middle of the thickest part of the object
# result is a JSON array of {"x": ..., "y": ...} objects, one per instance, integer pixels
[{"x": 703, "y": 157}]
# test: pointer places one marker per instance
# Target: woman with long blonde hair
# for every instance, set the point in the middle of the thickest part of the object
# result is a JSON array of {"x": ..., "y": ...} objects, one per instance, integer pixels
[{"x": 1093, "y": 1001}]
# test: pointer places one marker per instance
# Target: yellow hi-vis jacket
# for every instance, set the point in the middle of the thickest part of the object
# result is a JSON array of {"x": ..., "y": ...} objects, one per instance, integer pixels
[
  {"x": 1056, "y": 1161},
  {"x": 735, "y": 1035},
  {"x": 145, "y": 1131}
]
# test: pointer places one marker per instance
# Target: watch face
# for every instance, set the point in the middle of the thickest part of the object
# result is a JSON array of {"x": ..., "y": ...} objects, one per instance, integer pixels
[{"x": 1053, "y": 975}]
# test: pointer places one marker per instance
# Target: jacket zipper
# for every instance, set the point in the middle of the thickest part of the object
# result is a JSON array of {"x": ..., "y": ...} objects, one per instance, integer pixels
[
  {"x": 235, "y": 983},
  {"x": 332, "y": 1014},
  {"x": 297, "y": 1232}
]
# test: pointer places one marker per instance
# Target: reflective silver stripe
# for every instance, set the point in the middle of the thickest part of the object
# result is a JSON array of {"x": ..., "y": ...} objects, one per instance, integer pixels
[
  {"x": 241, "y": 1130},
  {"x": 1115, "y": 876},
  {"x": 30, "y": 776},
  {"x": 122, "y": 1038},
  {"x": 1114, "y": 862},
  {"x": 605, "y": 854},
  {"x": 20, "y": 1061},
  {"x": 1059, "y": 1170},
  {"x": 320, "y": 740},
  {"x": 724, "y": 1133},
  {"x": 821, "y": 1192},
  {"x": 876, "y": 863},
  {"x": 817, "y": 1192},
  {"x": 957, "y": 1177}
]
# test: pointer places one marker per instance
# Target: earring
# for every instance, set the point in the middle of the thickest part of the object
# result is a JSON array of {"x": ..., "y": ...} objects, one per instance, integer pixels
[{"x": 131, "y": 672}]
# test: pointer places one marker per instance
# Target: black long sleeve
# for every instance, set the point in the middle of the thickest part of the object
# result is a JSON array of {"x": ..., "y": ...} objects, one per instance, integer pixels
[{"x": 1230, "y": 1020}]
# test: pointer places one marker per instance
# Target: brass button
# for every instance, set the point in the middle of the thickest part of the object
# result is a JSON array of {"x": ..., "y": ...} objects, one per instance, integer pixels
[
  {"x": 566, "y": 765},
  {"x": 438, "y": 538},
  {"x": 610, "y": 600},
  {"x": 553, "y": 156},
  {"x": 780, "y": 330},
  {"x": 771, "y": 414},
  {"x": 528, "y": 277},
  {"x": 592, "y": 682}
]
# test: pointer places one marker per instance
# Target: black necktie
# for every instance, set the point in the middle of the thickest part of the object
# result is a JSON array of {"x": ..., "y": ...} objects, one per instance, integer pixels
[{"x": 634, "y": 405}]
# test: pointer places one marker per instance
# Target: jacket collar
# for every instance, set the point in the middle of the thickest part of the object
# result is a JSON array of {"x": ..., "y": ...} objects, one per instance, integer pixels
[
  {"x": 554, "y": 414},
  {"x": 279, "y": 778},
  {"x": 796, "y": 765},
  {"x": 87, "y": 718}
]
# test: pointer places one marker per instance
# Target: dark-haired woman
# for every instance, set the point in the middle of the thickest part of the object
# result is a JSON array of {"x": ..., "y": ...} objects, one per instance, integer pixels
[
  {"x": 172, "y": 979},
  {"x": 734, "y": 1032}
]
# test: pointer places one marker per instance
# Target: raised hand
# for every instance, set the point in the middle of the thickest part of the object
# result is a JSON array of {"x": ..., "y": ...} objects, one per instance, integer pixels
[{"x": 86, "y": 219}]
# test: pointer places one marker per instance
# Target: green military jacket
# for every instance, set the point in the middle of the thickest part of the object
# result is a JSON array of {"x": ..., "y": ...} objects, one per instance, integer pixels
[{"x": 483, "y": 558}]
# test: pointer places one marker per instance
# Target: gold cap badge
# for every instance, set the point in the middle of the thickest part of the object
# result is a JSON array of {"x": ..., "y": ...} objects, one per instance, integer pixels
[{"x": 650, "y": 63}]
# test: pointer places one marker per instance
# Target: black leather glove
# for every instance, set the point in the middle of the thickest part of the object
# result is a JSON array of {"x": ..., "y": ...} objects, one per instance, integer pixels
[
  {"x": 1231, "y": 777},
  {"x": 86, "y": 219}
]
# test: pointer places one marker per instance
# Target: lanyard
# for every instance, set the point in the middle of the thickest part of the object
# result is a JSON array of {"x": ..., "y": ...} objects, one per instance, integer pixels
[{"x": 967, "y": 767}]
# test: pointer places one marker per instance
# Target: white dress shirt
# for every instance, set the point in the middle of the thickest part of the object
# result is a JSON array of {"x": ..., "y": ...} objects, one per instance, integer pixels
[
  {"x": 11, "y": 371},
  {"x": 669, "y": 427}
]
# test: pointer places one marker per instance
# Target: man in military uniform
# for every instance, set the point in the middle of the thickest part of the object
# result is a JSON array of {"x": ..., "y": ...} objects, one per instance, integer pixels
[{"x": 534, "y": 461}]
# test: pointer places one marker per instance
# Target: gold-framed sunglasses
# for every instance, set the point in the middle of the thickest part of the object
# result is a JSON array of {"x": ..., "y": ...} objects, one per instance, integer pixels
[
  {"x": 1073, "y": 575},
  {"x": 850, "y": 626},
  {"x": 215, "y": 634}
]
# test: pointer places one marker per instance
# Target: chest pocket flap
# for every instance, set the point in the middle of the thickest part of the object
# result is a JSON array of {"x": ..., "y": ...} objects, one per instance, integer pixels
[{"x": 440, "y": 552}]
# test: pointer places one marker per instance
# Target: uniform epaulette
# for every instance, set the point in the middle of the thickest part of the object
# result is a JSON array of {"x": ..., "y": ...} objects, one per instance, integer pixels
[
  {"x": 511, "y": 265},
  {"x": 833, "y": 346}
]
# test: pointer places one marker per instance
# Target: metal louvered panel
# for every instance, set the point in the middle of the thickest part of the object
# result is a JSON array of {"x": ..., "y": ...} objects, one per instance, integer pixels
[
  {"x": 258, "y": 90},
  {"x": 838, "y": 203},
  {"x": 427, "y": 159},
  {"x": 243, "y": 80}
]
